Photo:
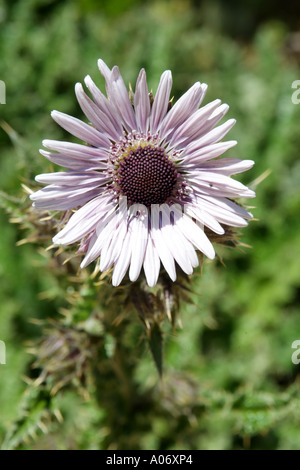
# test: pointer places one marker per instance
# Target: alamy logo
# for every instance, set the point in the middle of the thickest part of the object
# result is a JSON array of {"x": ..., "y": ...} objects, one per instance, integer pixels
[
  {"x": 296, "y": 354},
  {"x": 2, "y": 353},
  {"x": 158, "y": 216},
  {"x": 295, "y": 96},
  {"x": 2, "y": 92}
]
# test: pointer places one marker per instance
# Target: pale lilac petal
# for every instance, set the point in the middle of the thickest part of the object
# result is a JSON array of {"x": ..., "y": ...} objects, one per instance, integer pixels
[
  {"x": 204, "y": 217},
  {"x": 161, "y": 246},
  {"x": 226, "y": 205},
  {"x": 84, "y": 220},
  {"x": 203, "y": 188},
  {"x": 191, "y": 252},
  {"x": 195, "y": 156},
  {"x": 76, "y": 150},
  {"x": 142, "y": 103},
  {"x": 195, "y": 234},
  {"x": 151, "y": 263},
  {"x": 188, "y": 130},
  {"x": 217, "y": 182},
  {"x": 75, "y": 156},
  {"x": 107, "y": 240},
  {"x": 118, "y": 94},
  {"x": 227, "y": 166},
  {"x": 103, "y": 231},
  {"x": 182, "y": 109},
  {"x": 175, "y": 242},
  {"x": 84, "y": 244},
  {"x": 113, "y": 241},
  {"x": 213, "y": 119},
  {"x": 217, "y": 134},
  {"x": 73, "y": 163},
  {"x": 81, "y": 130},
  {"x": 112, "y": 247},
  {"x": 103, "y": 103},
  {"x": 107, "y": 257},
  {"x": 64, "y": 202},
  {"x": 100, "y": 120},
  {"x": 93, "y": 237},
  {"x": 123, "y": 261},
  {"x": 186, "y": 246},
  {"x": 72, "y": 178},
  {"x": 138, "y": 229},
  {"x": 55, "y": 197},
  {"x": 161, "y": 101},
  {"x": 220, "y": 211},
  {"x": 196, "y": 152},
  {"x": 138, "y": 255},
  {"x": 106, "y": 73}
]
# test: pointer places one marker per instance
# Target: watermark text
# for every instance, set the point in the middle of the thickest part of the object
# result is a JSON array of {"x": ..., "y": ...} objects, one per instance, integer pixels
[
  {"x": 296, "y": 354},
  {"x": 2, "y": 353},
  {"x": 296, "y": 95},
  {"x": 2, "y": 92}
]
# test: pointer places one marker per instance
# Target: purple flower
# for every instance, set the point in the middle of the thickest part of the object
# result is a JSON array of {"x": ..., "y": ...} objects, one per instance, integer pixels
[{"x": 148, "y": 181}]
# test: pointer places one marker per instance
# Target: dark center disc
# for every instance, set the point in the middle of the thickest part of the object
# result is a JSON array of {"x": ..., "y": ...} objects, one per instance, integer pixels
[{"x": 146, "y": 176}]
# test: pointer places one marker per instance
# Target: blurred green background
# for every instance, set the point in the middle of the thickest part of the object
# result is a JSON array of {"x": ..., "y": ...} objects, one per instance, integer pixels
[{"x": 229, "y": 379}]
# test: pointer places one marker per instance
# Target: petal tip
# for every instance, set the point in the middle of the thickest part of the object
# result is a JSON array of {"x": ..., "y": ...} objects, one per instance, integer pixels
[
  {"x": 56, "y": 240},
  {"x": 46, "y": 143}
]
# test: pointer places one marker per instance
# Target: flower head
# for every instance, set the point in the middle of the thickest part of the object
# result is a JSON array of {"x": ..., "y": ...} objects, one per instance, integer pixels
[{"x": 148, "y": 183}]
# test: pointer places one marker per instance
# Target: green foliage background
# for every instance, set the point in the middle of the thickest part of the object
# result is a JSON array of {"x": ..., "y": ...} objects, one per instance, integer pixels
[{"x": 229, "y": 380}]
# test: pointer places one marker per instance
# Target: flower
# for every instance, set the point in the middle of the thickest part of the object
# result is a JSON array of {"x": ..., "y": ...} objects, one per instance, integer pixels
[{"x": 148, "y": 183}]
